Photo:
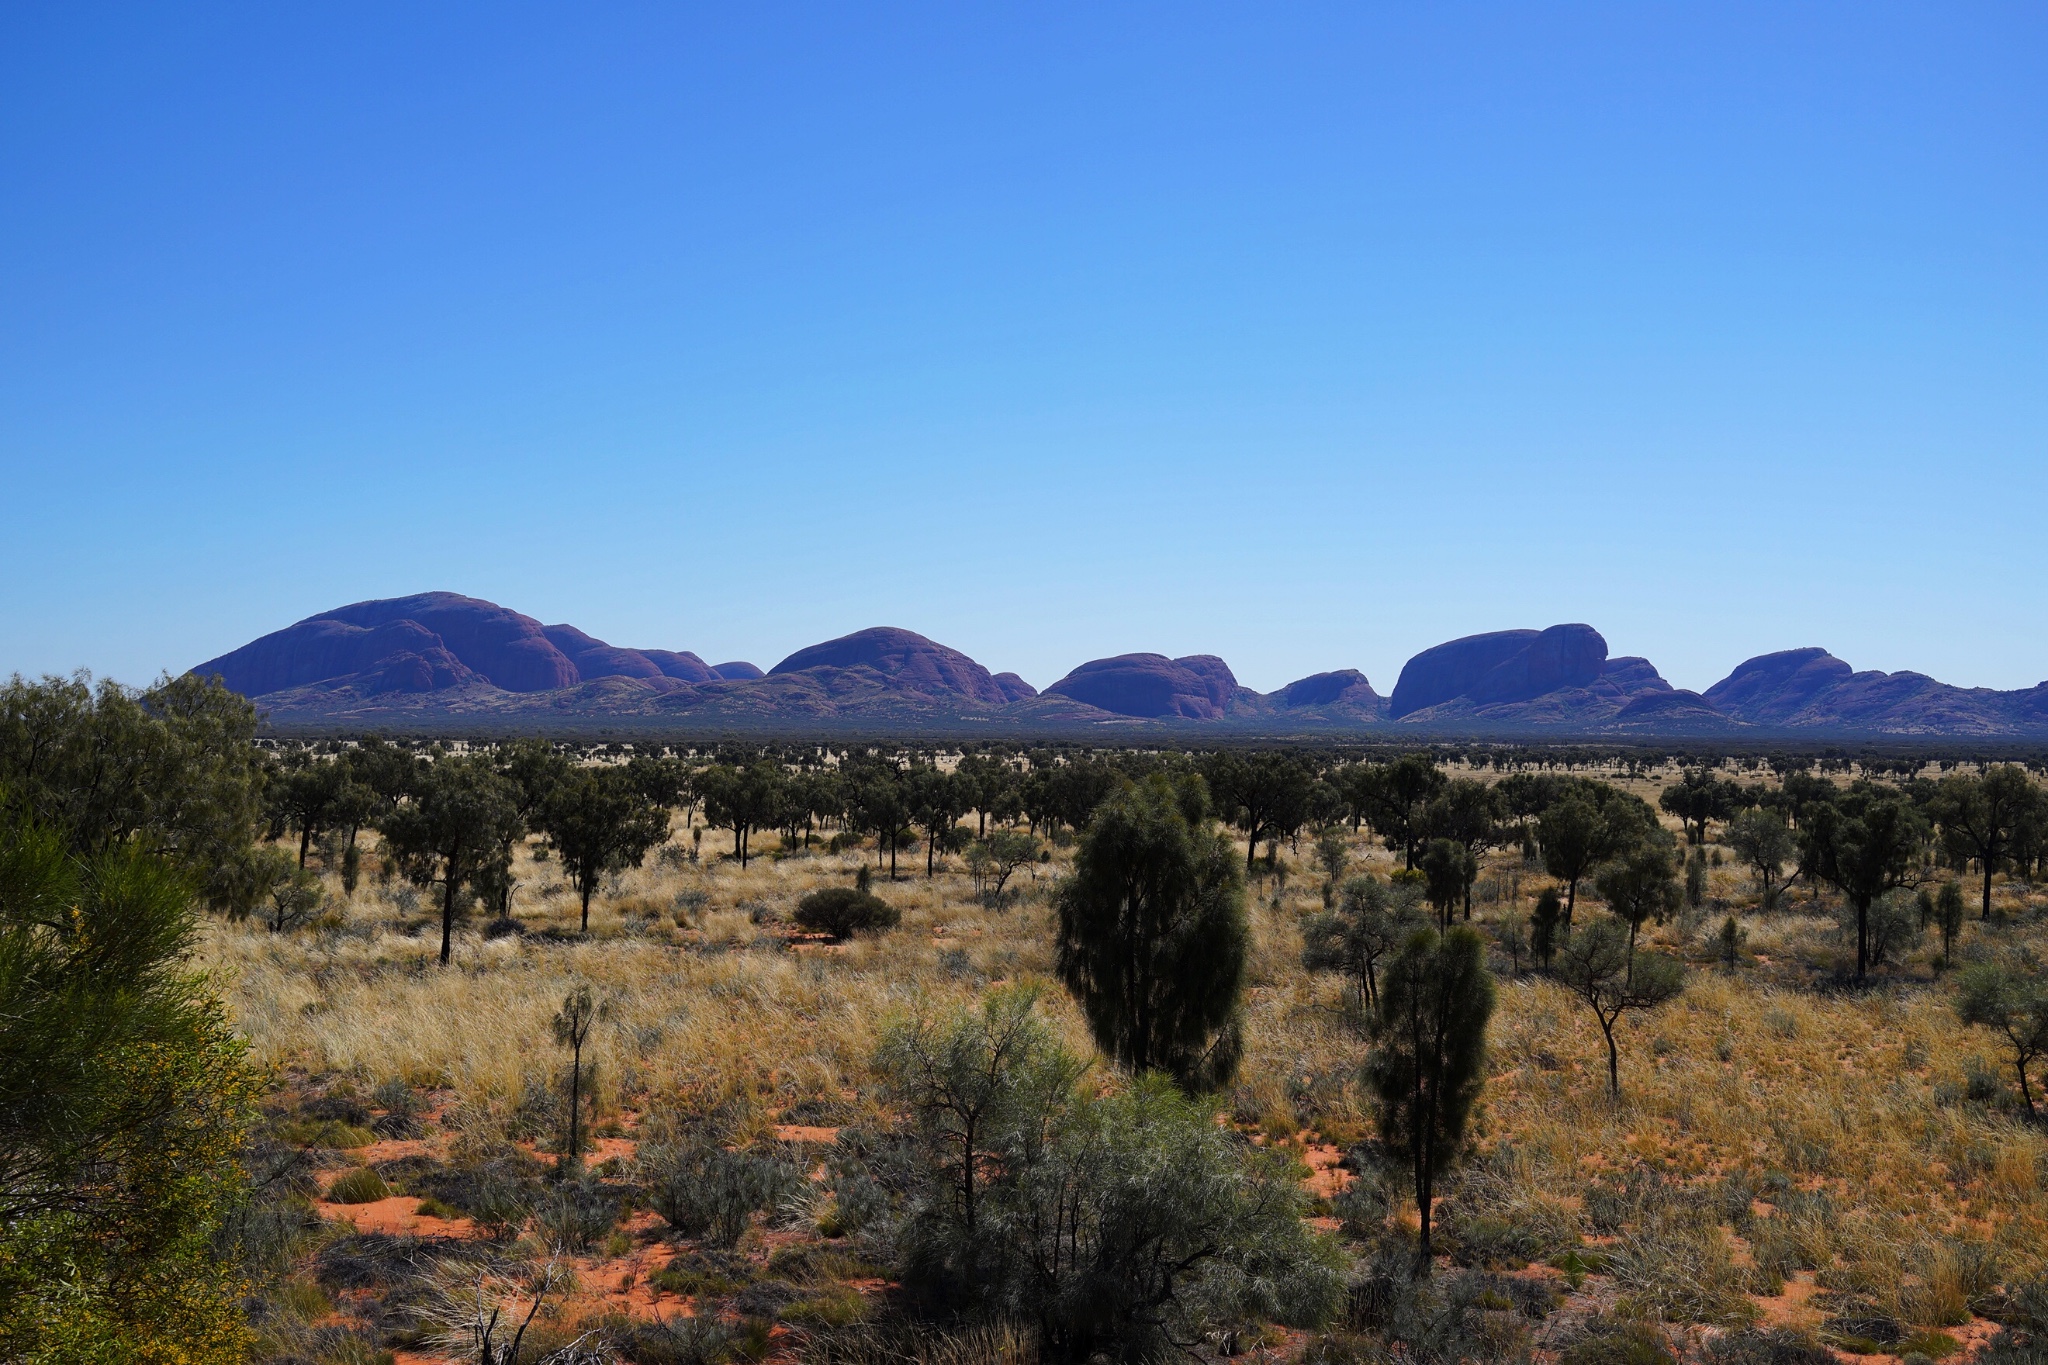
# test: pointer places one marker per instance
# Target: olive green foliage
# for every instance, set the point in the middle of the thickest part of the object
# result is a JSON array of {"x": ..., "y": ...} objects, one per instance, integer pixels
[
  {"x": 359, "y": 1186},
  {"x": 452, "y": 828},
  {"x": 172, "y": 770},
  {"x": 1427, "y": 1066},
  {"x": 1126, "y": 1225},
  {"x": 1865, "y": 843},
  {"x": 1639, "y": 885},
  {"x": 1448, "y": 868},
  {"x": 992, "y": 861},
  {"x": 1152, "y": 936},
  {"x": 599, "y": 821},
  {"x": 2012, "y": 1002},
  {"x": 1373, "y": 918},
  {"x": 1600, "y": 965},
  {"x": 123, "y": 1100},
  {"x": 1765, "y": 844},
  {"x": 843, "y": 911}
]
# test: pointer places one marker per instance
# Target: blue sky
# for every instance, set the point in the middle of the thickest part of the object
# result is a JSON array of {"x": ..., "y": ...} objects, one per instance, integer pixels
[{"x": 1305, "y": 335}]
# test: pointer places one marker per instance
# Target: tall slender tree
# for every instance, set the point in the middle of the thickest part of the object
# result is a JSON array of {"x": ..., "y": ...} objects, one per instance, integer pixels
[
  {"x": 1152, "y": 937},
  {"x": 1427, "y": 1066}
]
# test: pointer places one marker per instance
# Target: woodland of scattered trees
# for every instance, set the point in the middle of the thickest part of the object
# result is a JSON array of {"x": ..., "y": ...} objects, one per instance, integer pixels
[{"x": 1115, "y": 1221}]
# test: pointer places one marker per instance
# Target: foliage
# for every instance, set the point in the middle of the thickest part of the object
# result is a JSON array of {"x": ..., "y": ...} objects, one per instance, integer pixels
[
  {"x": 171, "y": 770},
  {"x": 1125, "y": 1224},
  {"x": 1600, "y": 965},
  {"x": 843, "y": 911},
  {"x": 123, "y": 1100},
  {"x": 453, "y": 828},
  {"x": 1639, "y": 885},
  {"x": 992, "y": 861},
  {"x": 1427, "y": 1065},
  {"x": 2013, "y": 1003},
  {"x": 1265, "y": 793},
  {"x": 1152, "y": 936},
  {"x": 704, "y": 1190},
  {"x": 599, "y": 821},
  {"x": 1372, "y": 919},
  {"x": 1761, "y": 839},
  {"x": 1864, "y": 845}
]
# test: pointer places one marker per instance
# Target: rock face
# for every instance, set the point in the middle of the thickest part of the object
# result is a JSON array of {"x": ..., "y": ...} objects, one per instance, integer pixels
[
  {"x": 906, "y": 659},
  {"x": 437, "y": 659},
  {"x": 433, "y": 642},
  {"x": 1810, "y": 689},
  {"x": 1015, "y": 688},
  {"x": 1772, "y": 688},
  {"x": 1345, "y": 687},
  {"x": 1149, "y": 686},
  {"x": 1503, "y": 666}
]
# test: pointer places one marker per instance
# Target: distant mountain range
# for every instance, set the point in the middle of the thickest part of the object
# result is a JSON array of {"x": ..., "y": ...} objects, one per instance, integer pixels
[{"x": 440, "y": 661}]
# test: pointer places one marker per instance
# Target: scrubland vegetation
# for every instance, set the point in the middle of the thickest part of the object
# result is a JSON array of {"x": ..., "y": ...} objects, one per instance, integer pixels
[{"x": 863, "y": 1055}]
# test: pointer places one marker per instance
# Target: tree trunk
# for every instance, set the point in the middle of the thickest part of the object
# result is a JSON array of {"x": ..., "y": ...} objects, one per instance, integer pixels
[
  {"x": 1613, "y": 1059},
  {"x": 587, "y": 888},
  {"x": 575, "y": 1095},
  {"x": 1862, "y": 939},
  {"x": 448, "y": 910},
  {"x": 1989, "y": 863},
  {"x": 306, "y": 834}
]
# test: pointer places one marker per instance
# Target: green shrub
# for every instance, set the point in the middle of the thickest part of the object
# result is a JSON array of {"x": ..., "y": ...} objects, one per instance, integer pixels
[
  {"x": 837, "y": 1306},
  {"x": 578, "y": 1215},
  {"x": 712, "y": 1193},
  {"x": 1611, "y": 1341},
  {"x": 843, "y": 911},
  {"x": 360, "y": 1186},
  {"x": 701, "y": 1340},
  {"x": 1748, "y": 1346},
  {"x": 324, "y": 1133}
]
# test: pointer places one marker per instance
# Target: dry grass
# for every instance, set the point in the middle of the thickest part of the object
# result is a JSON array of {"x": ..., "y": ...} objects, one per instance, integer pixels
[{"x": 1846, "y": 1117}]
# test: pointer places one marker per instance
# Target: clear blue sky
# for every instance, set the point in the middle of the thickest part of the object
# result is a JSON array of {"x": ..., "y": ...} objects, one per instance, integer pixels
[{"x": 1307, "y": 335}]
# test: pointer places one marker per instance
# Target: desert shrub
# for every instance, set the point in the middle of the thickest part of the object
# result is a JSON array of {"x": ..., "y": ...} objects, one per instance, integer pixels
[
  {"x": 497, "y": 1184},
  {"x": 1613, "y": 1341},
  {"x": 901, "y": 1343},
  {"x": 402, "y": 1108},
  {"x": 1363, "y": 1206},
  {"x": 700, "y": 1340},
  {"x": 707, "y": 1191},
  {"x": 360, "y": 1186},
  {"x": 1750, "y": 1346},
  {"x": 578, "y": 1214},
  {"x": 324, "y": 1133},
  {"x": 843, "y": 911},
  {"x": 1169, "y": 1228}
]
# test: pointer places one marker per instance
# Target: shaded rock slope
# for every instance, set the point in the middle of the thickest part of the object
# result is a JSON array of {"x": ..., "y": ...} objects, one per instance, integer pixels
[{"x": 440, "y": 661}]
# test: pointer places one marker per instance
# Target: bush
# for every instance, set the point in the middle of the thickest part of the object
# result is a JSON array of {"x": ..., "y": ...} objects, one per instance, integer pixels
[
  {"x": 677, "y": 1341},
  {"x": 713, "y": 1193},
  {"x": 578, "y": 1215},
  {"x": 360, "y": 1186},
  {"x": 1749, "y": 1346},
  {"x": 1610, "y": 1341},
  {"x": 843, "y": 911}
]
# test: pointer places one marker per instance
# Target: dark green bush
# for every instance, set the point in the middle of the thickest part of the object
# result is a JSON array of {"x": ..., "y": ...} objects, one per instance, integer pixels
[
  {"x": 843, "y": 911},
  {"x": 701, "y": 1340}
]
